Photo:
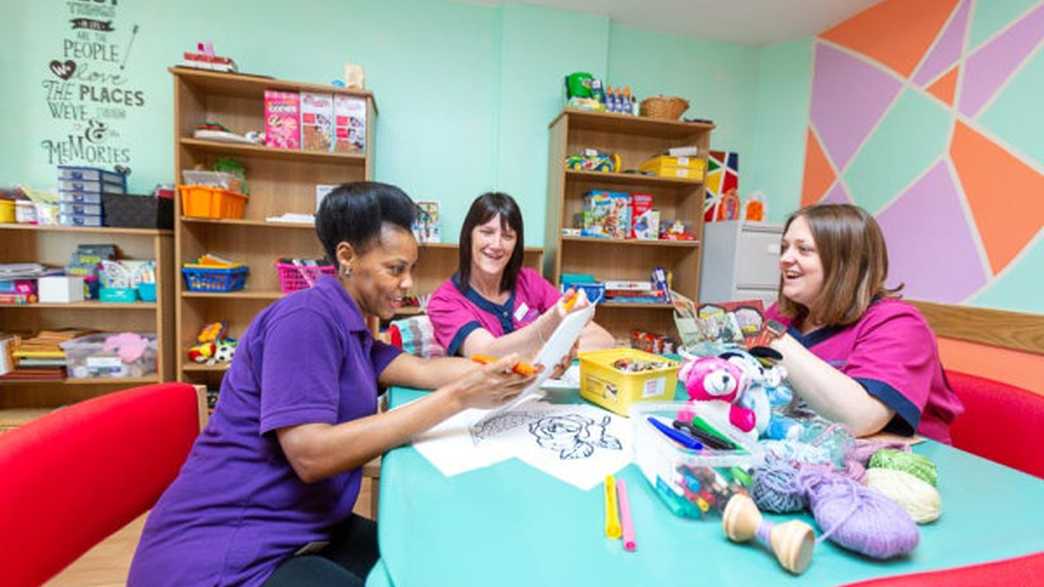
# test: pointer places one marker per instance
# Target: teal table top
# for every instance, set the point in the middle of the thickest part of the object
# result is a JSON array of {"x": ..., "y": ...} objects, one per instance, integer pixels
[{"x": 511, "y": 524}]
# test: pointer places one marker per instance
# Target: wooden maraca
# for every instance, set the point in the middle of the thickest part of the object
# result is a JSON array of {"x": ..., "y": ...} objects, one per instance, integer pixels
[{"x": 792, "y": 542}]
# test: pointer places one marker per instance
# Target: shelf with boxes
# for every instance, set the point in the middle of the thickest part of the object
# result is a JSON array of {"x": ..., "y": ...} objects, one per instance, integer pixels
[
  {"x": 625, "y": 197},
  {"x": 57, "y": 377},
  {"x": 315, "y": 137}
]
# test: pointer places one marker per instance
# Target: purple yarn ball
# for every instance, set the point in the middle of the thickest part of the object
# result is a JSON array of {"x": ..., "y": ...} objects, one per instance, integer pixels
[{"x": 857, "y": 517}]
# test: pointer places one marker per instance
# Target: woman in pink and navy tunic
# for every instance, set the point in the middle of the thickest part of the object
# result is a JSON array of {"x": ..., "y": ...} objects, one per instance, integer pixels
[
  {"x": 493, "y": 304},
  {"x": 854, "y": 352},
  {"x": 266, "y": 495}
]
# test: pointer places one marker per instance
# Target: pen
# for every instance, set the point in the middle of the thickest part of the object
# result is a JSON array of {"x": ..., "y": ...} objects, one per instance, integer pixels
[
  {"x": 707, "y": 439},
  {"x": 681, "y": 438},
  {"x": 522, "y": 368},
  {"x": 626, "y": 523},
  {"x": 569, "y": 300},
  {"x": 612, "y": 517}
]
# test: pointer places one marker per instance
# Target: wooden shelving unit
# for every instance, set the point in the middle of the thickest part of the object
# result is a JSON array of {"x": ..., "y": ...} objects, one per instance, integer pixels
[
  {"x": 280, "y": 181},
  {"x": 52, "y": 245},
  {"x": 635, "y": 139}
]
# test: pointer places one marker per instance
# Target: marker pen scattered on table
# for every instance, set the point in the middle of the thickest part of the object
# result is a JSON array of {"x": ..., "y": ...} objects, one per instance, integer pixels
[
  {"x": 612, "y": 516},
  {"x": 680, "y": 437},
  {"x": 522, "y": 368},
  {"x": 626, "y": 523}
]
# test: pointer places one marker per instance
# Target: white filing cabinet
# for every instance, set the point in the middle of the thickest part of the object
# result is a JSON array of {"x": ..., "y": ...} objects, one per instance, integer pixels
[{"x": 740, "y": 261}]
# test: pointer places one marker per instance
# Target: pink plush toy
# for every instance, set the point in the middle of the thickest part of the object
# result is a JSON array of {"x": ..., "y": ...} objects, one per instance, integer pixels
[{"x": 717, "y": 379}]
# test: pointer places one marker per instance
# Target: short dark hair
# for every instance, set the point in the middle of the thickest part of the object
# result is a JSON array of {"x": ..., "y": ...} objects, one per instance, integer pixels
[
  {"x": 355, "y": 213},
  {"x": 852, "y": 250},
  {"x": 482, "y": 210}
]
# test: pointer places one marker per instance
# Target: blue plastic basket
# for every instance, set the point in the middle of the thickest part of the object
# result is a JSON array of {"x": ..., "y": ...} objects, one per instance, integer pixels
[{"x": 215, "y": 278}]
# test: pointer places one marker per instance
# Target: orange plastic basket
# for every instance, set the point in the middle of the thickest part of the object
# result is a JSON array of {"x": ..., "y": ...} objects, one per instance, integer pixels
[{"x": 202, "y": 201}]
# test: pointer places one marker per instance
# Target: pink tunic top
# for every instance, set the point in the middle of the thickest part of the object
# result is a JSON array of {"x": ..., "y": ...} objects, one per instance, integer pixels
[
  {"x": 455, "y": 314},
  {"x": 891, "y": 352}
]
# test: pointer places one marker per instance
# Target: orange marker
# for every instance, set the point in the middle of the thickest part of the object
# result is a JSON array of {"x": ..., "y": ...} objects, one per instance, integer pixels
[
  {"x": 569, "y": 300},
  {"x": 521, "y": 368}
]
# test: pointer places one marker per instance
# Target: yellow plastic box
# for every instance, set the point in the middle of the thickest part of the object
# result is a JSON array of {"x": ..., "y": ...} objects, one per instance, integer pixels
[
  {"x": 616, "y": 390},
  {"x": 684, "y": 167},
  {"x": 7, "y": 211}
]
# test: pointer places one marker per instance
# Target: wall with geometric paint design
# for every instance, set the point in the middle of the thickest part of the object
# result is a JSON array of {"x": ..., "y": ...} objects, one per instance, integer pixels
[{"x": 930, "y": 115}]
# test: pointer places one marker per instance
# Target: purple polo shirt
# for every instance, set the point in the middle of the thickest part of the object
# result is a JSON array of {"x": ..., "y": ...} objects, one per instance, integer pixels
[
  {"x": 237, "y": 509},
  {"x": 456, "y": 314},
  {"x": 891, "y": 352}
]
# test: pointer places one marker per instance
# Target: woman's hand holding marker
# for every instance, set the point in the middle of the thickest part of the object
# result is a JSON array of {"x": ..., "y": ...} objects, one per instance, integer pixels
[{"x": 496, "y": 382}]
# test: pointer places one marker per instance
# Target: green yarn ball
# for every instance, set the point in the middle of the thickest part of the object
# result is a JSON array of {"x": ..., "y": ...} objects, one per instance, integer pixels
[{"x": 918, "y": 466}]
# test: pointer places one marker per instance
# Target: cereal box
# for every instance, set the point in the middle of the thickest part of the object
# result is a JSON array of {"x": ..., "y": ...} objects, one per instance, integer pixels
[
  {"x": 607, "y": 214},
  {"x": 282, "y": 125},
  {"x": 350, "y": 123},
  {"x": 317, "y": 125},
  {"x": 641, "y": 205}
]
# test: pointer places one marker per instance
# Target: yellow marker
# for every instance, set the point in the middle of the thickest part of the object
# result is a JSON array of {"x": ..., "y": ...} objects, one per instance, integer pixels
[
  {"x": 569, "y": 301},
  {"x": 612, "y": 514}
]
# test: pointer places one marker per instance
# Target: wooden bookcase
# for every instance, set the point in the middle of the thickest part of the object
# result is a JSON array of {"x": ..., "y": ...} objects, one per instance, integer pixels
[
  {"x": 52, "y": 245},
  {"x": 635, "y": 139},
  {"x": 280, "y": 180}
]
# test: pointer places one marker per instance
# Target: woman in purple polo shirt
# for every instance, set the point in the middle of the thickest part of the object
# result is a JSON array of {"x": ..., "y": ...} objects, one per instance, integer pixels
[
  {"x": 493, "y": 304},
  {"x": 275, "y": 474},
  {"x": 854, "y": 352}
]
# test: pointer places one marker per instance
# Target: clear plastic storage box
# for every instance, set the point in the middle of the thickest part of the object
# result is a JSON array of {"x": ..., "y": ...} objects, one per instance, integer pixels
[
  {"x": 690, "y": 481},
  {"x": 86, "y": 357}
]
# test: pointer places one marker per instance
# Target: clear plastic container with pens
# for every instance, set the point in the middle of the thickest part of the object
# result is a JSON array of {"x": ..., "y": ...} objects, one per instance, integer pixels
[{"x": 693, "y": 466}]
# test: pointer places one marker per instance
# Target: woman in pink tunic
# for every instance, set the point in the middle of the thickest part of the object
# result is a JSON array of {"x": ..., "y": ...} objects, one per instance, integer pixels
[{"x": 854, "y": 351}]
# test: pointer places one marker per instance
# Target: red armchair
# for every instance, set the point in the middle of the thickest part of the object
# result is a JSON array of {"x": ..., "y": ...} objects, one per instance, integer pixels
[
  {"x": 75, "y": 476},
  {"x": 1025, "y": 571},
  {"x": 1001, "y": 422}
]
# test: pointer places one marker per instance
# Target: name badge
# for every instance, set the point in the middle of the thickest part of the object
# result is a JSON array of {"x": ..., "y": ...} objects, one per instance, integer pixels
[{"x": 521, "y": 312}]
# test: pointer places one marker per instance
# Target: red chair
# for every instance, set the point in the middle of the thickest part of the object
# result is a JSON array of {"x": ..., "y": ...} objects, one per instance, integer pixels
[
  {"x": 1024, "y": 571},
  {"x": 1001, "y": 422},
  {"x": 79, "y": 474}
]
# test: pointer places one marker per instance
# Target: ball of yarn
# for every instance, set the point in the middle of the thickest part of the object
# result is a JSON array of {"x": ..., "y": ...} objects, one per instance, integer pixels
[
  {"x": 775, "y": 487},
  {"x": 918, "y": 498},
  {"x": 917, "y": 465},
  {"x": 856, "y": 517}
]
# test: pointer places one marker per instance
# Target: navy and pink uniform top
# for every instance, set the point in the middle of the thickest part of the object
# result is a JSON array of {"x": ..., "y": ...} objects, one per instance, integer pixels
[
  {"x": 456, "y": 312},
  {"x": 892, "y": 353},
  {"x": 237, "y": 509}
]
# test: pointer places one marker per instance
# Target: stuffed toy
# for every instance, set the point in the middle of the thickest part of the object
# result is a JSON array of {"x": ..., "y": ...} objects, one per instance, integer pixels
[
  {"x": 202, "y": 353},
  {"x": 768, "y": 394},
  {"x": 226, "y": 349},
  {"x": 721, "y": 384}
]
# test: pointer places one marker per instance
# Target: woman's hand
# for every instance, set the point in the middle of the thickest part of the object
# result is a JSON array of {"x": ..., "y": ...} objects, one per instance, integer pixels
[
  {"x": 489, "y": 386},
  {"x": 566, "y": 361}
]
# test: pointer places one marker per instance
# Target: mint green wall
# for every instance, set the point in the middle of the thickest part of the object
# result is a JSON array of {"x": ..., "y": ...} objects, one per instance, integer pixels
[
  {"x": 465, "y": 91},
  {"x": 718, "y": 79},
  {"x": 783, "y": 93}
]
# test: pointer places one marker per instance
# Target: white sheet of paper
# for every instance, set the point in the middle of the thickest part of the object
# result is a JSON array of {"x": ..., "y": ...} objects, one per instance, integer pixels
[
  {"x": 569, "y": 381},
  {"x": 577, "y": 443},
  {"x": 555, "y": 349}
]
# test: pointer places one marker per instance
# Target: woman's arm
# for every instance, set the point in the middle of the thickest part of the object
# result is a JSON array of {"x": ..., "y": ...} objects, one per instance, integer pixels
[
  {"x": 525, "y": 341},
  {"x": 830, "y": 392},
  {"x": 411, "y": 371},
  {"x": 319, "y": 451},
  {"x": 594, "y": 338}
]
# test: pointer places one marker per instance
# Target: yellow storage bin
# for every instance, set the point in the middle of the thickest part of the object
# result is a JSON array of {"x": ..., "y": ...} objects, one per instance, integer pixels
[
  {"x": 604, "y": 384},
  {"x": 684, "y": 167},
  {"x": 202, "y": 201},
  {"x": 7, "y": 211}
]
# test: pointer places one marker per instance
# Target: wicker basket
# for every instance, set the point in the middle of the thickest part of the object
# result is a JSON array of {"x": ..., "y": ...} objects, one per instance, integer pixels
[{"x": 664, "y": 107}]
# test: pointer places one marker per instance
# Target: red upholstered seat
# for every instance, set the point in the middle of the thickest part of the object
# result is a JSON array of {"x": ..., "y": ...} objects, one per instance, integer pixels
[
  {"x": 1024, "y": 571},
  {"x": 1001, "y": 422},
  {"x": 75, "y": 476}
]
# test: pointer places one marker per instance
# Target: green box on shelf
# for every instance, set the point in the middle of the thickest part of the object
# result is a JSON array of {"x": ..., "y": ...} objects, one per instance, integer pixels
[{"x": 118, "y": 295}]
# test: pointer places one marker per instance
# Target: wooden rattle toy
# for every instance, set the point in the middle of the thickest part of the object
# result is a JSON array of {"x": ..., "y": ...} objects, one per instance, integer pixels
[{"x": 791, "y": 542}]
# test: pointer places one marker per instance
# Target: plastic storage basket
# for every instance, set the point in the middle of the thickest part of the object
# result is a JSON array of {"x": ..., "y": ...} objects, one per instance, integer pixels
[
  {"x": 87, "y": 357},
  {"x": 214, "y": 279},
  {"x": 207, "y": 202},
  {"x": 616, "y": 390},
  {"x": 690, "y": 482},
  {"x": 295, "y": 277}
]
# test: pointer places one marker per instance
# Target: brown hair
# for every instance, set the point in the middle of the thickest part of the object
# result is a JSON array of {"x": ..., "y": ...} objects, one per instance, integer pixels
[{"x": 852, "y": 249}]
